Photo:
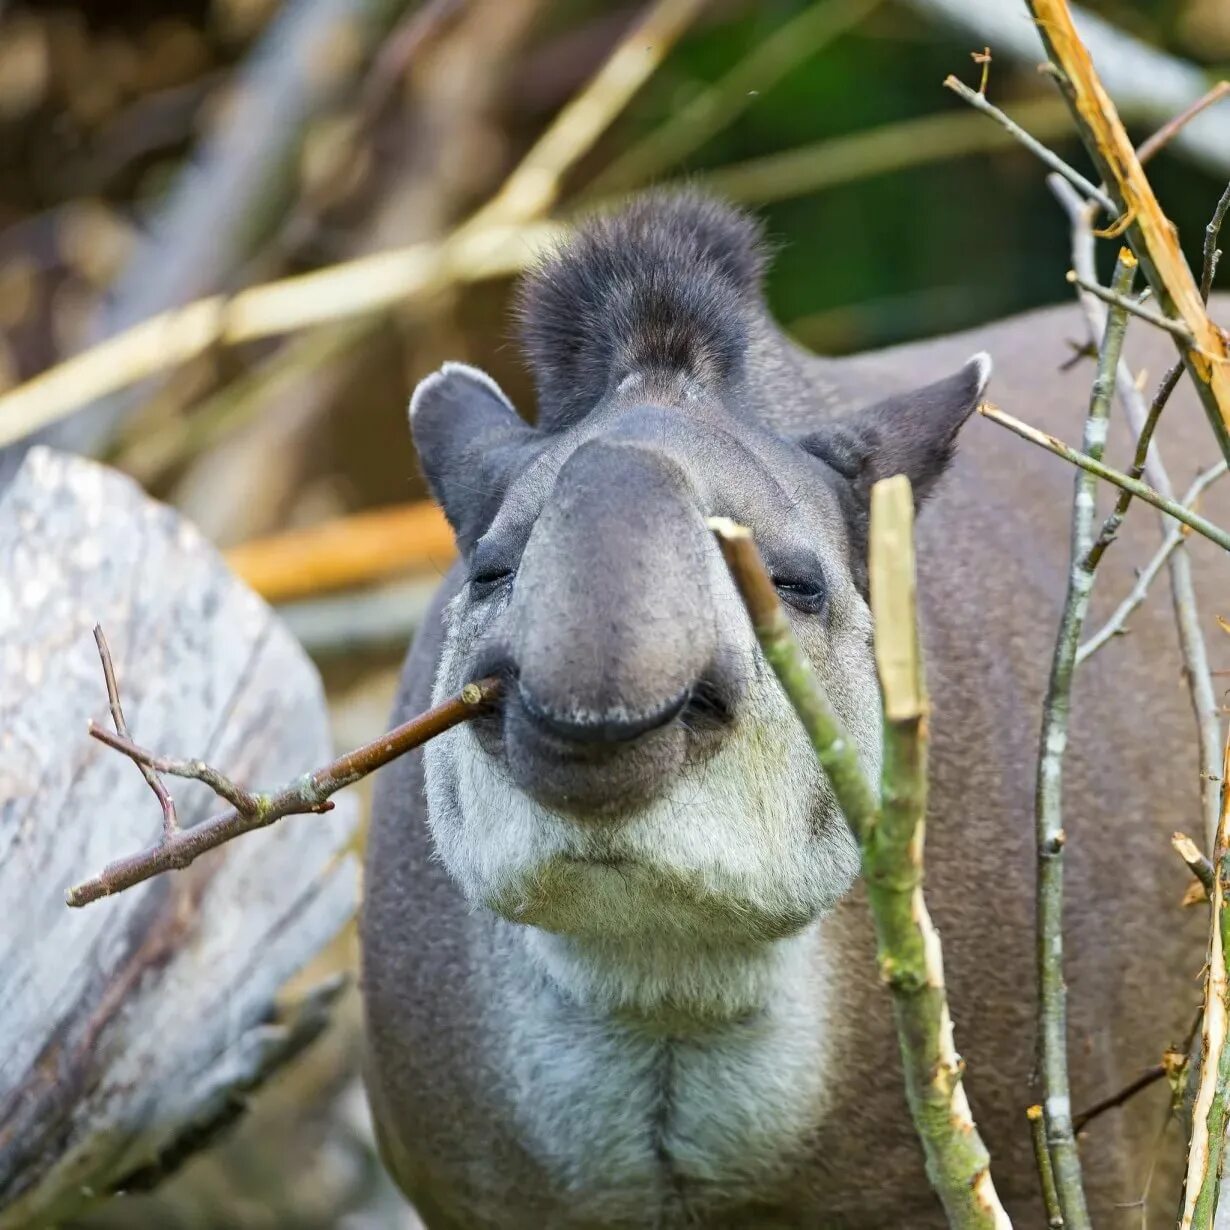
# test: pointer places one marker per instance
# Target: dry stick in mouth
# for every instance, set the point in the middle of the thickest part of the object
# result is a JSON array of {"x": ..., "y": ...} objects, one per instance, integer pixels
[{"x": 250, "y": 810}]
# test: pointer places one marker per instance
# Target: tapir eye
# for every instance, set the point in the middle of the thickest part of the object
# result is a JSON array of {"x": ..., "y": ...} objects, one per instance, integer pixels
[
  {"x": 805, "y": 594},
  {"x": 485, "y": 579}
]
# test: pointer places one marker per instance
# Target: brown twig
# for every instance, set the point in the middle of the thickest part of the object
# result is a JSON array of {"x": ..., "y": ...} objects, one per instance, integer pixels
[
  {"x": 309, "y": 794},
  {"x": 1150, "y": 1076},
  {"x": 170, "y": 821},
  {"x": 1154, "y": 145}
]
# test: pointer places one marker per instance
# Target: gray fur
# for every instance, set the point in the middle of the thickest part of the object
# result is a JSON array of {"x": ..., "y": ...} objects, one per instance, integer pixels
[{"x": 617, "y": 967}]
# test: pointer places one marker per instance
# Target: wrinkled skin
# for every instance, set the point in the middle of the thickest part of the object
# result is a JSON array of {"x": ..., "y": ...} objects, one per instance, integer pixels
[{"x": 614, "y": 970}]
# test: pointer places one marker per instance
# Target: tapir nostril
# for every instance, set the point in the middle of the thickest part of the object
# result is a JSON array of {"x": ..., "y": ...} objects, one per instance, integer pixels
[{"x": 614, "y": 725}]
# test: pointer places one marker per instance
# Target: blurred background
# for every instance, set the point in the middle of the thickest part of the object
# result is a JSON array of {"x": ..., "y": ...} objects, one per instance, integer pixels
[{"x": 159, "y": 150}]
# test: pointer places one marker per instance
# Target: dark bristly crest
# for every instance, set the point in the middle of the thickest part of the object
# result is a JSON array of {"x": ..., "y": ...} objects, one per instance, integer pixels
[{"x": 667, "y": 284}]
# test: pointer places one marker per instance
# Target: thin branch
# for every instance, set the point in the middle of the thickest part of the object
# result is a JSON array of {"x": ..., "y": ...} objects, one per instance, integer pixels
[
  {"x": 1178, "y": 562},
  {"x": 1175, "y": 327},
  {"x": 1052, "y": 160},
  {"x": 1197, "y": 862},
  {"x": 309, "y": 794},
  {"x": 1140, "y": 490},
  {"x": 1175, "y": 536},
  {"x": 1210, "y": 1112},
  {"x": 890, "y": 833},
  {"x": 1150, "y": 1076},
  {"x": 1152, "y": 236},
  {"x": 1110, "y": 527},
  {"x": 1048, "y": 798},
  {"x": 1212, "y": 254},
  {"x": 1159, "y": 140},
  {"x": 170, "y": 821},
  {"x": 1046, "y": 1173}
]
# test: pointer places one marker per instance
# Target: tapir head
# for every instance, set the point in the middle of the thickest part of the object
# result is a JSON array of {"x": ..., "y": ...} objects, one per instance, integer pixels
[{"x": 643, "y": 772}]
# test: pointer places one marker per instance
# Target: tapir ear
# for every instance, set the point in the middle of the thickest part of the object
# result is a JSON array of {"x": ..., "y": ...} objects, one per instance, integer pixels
[
  {"x": 912, "y": 433},
  {"x": 469, "y": 440}
]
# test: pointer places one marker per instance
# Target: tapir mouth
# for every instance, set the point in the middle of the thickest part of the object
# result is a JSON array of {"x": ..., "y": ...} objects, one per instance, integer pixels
[{"x": 591, "y": 768}]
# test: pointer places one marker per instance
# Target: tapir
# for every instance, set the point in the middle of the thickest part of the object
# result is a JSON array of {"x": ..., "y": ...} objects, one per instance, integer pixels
[{"x": 617, "y": 965}]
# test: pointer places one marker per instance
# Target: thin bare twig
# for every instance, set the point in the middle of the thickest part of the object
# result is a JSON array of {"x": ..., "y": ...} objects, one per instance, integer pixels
[
  {"x": 1046, "y": 1173},
  {"x": 309, "y": 794},
  {"x": 1144, "y": 439},
  {"x": 1154, "y": 145},
  {"x": 1212, "y": 254},
  {"x": 1048, "y": 156},
  {"x": 1150, "y": 1076},
  {"x": 1212, "y": 1105},
  {"x": 1048, "y": 798},
  {"x": 1090, "y": 464},
  {"x": 170, "y": 821},
  {"x": 1176, "y": 327},
  {"x": 1175, "y": 536},
  {"x": 1182, "y": 587}
]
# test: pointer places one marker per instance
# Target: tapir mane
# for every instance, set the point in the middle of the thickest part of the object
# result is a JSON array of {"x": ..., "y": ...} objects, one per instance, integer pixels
[{"x": 667, "y": 285}]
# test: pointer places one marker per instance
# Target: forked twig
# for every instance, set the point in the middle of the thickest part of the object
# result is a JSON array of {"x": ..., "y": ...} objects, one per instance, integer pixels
[
  {"x": 170, "y": 821},
  {"x": 309, "y": 794}
]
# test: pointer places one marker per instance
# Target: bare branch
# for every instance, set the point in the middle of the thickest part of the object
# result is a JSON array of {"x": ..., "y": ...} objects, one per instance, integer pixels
[
  {"x": 1182, "y": 587},
  {"x": 308, "y": 794},
  {"x": 1046, "y": 1173},
  {"x": 1159, "y": 321},
  {"x": 1212, "y": 254},
  {"x": 1048, "y": 798},
  {"x": 1212, "y": 1105},
  {"x": 1150, "y": 1076},
  {"x": 1116, "y": 624},
  {"x": 170, "y": 821},
  {"x": 1090, "y": 464},
  {"x": 1159, "y": 140},
  {"x": 1035, "y": 147}
]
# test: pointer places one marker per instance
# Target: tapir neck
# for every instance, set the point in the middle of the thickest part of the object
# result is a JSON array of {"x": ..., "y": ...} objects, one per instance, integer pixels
[
  {"x": 590, "y": 1050},
  {"x": 673, "y": 985}
]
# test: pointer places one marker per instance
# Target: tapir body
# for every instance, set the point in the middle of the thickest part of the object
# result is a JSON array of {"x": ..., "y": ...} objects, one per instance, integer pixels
[{"x": 618, "y": 969}]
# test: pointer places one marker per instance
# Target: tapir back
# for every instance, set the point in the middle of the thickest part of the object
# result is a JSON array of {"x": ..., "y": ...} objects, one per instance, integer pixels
[{"x": 992, "y": 571}]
